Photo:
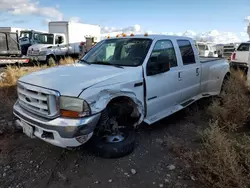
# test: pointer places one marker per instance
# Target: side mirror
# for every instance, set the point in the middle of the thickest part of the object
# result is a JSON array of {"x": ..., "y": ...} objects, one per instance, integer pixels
[
  {"x": 158, "y": 64},
  {"x": 154, "y": 59}
]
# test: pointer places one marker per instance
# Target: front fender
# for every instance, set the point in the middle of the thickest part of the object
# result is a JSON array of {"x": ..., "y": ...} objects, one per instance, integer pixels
[{"x": 100, "y": 101}]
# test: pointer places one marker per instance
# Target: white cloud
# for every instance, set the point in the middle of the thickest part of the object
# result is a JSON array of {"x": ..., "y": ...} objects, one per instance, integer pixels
[
  {"x": 135, "y": 29},
  {"x": 19, "y": 21},
  {"x": 210, "y": 36},
  {"x": 4, "y": 19},
  {"x": 29, "y": 7},
  {"x": 243, "y": 34},
  {"x": 188, "y": 33},
  {"x": 75, "y": 19},
  {"x": 247, "y": 19},
  {"x": 46, "y": 21},
  {"x": 217, "y": 37}
]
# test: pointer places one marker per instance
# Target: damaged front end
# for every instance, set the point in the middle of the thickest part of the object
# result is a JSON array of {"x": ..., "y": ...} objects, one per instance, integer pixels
[
  {"x": 122, "y": 106},
  {"x": 114, "y": 135}
]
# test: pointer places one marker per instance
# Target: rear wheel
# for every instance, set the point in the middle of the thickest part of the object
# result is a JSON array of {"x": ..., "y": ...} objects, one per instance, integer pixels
[{"x": 225, "y": 81}]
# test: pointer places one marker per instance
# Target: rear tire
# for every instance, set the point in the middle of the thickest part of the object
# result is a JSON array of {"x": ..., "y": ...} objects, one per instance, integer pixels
[{"x": 226, "y": 79}]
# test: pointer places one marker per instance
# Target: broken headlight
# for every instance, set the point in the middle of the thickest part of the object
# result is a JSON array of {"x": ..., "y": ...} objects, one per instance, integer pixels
[{"x": 73, "y": 107}]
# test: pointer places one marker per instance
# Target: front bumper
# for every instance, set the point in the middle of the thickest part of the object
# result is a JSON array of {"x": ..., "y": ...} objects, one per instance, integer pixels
[
  {"x": 63, "y": 132},
  {"x": 38, "y": 57}
]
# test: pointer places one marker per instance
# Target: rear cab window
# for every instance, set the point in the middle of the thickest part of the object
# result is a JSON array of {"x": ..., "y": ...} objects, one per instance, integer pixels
[
  {"x": 243, "y": 47},
  {"x": 187, "y": 52}
]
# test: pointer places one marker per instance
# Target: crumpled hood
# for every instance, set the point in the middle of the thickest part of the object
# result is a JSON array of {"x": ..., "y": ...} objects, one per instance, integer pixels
[{"x": 70, "y": 80}]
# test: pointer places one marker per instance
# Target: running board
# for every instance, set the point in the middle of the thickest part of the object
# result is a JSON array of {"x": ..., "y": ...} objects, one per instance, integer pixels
[{"x": 187, "y": 102}]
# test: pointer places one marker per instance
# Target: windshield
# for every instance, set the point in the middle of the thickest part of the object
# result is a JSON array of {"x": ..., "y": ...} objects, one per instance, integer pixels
[
  {"x": 46, "y": 39},
  {"x": 26, "y": 34},
  {"x": 121, "y": 51}
]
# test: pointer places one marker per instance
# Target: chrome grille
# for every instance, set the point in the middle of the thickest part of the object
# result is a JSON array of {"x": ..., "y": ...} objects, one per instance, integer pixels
[
  {"x": 33, "y": 52},
  {"x": 38, "y": 100}
]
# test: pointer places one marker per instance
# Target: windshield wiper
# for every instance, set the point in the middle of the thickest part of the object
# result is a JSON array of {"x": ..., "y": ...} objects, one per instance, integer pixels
[
  {"x": 106, "y": 63},
  {"x": 84, "y": 61}
]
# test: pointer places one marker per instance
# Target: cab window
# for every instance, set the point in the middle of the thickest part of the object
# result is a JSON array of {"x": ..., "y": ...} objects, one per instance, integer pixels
[
  {"x": 187, "y": 52},
  {"x": 165, "y": 47}
]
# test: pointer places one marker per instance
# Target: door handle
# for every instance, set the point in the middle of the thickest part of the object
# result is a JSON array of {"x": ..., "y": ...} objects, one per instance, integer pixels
[
  {"x": 197, "y": 72},
  {"x": 179, "y": 76}
]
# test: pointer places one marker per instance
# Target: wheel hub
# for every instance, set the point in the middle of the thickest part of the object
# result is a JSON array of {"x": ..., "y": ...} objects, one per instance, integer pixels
[{"x": 114, "y": 138}]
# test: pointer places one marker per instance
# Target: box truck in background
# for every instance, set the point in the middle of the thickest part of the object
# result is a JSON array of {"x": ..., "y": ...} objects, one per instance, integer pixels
[{"x": 63, "y": 39}]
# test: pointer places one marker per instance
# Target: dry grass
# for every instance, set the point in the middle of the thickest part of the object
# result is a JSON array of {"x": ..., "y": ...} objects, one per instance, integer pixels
[
  {"x": 66, "y": 61},
  {"x": 8, "y": 85},
  {"x": 222, "y": 161},
  {"x": 232, "y": 110},
  {"x": 223, "y": 158},
  {"x": 12, "y": 74},
  {"x": 8, "y": 82}
]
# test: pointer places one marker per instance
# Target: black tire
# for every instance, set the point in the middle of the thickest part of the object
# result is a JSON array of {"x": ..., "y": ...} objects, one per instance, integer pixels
[
  {"x": 113, "y": 150},
  {"x": 49, "y": 58},
  {"x": 225, "y": 80}
]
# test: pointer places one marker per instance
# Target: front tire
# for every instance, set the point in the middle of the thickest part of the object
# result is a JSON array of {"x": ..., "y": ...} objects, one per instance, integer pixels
[
  {"x": 113, "y": 146},
  {"x": 50, "y": 60}
]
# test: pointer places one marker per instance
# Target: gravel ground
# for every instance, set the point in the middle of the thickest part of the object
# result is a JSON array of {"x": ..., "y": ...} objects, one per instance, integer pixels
[{"x": 34, "y": 163}]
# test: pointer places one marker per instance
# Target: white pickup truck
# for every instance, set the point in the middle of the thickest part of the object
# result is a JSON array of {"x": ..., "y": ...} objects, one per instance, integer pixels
[
  {"x": 240, "y": 58},
  {"x": 118, "y": 84}
]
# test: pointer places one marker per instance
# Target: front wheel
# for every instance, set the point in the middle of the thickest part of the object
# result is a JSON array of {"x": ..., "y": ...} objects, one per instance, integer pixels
[
  {"x": 113, "y": 145},
  {"x": 50, "y": 60}
]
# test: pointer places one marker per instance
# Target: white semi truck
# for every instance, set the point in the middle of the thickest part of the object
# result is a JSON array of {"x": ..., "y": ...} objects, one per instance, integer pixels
[{"x": 64, "y": 39}]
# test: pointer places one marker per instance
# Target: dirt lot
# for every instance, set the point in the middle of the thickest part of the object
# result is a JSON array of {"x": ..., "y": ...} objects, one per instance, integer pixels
[{"x": 33, "y": 163}]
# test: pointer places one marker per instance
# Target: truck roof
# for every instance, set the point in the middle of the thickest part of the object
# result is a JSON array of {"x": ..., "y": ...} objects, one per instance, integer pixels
[
  {"x": 153, "y": 37},
  {"x": 248, "y": 42}
]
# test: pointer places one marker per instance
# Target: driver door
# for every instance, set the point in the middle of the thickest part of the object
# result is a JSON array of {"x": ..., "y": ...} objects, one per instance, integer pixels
[
  {"x": 162, "y": 93},
  {"x": 61, "y": 47}
]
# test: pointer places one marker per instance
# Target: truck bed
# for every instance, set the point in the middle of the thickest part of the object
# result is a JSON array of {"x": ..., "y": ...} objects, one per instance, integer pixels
[{"x": 208, "y": 59}]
